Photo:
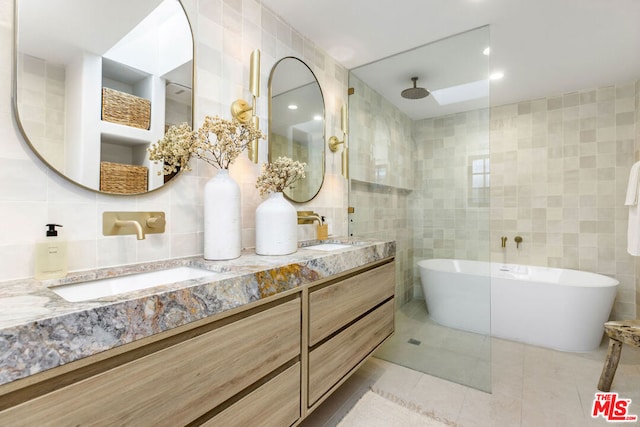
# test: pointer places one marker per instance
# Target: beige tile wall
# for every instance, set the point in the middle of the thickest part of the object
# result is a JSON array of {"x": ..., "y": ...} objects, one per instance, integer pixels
[
  {"x": 448, "y": 220},
  {"x": 381, "y": 180},
  {"x": 558, "y": 175},
  {"x": 42, "y": 101},
  {"x": 559, "y": 172},
  {"x": 379, "y": 139}
]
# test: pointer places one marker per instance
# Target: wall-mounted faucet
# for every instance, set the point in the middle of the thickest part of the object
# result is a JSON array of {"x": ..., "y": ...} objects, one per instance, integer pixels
[
  {"x": 504, "y": 241},
  {"x": 308, "y": 217},
  {"x": 122, "y": 223},
  {"x": 138, "y": 223}
]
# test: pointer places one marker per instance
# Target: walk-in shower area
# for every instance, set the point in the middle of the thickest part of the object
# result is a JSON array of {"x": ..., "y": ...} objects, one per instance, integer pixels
[
  {"x": 419, "y": 174},
  {"x": 458, "y": 175}
]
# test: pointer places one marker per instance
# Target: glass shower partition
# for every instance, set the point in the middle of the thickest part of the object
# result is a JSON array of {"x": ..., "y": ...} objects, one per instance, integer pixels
[{"x": 420, "y": 175}]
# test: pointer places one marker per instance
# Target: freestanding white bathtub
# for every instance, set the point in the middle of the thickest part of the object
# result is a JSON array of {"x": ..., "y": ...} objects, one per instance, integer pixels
[{"x": 550, "y": 307}]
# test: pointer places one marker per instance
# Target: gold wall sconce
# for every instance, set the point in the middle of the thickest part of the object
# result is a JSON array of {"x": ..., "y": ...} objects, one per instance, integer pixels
[
  {"x": 334, "y": 142},
  {"x": 242, "y": 111}
]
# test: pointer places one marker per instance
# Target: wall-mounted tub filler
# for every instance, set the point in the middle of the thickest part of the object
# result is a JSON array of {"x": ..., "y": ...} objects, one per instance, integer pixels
[
  {"x": 503, "y": 239},
  {"x": 138, "y": 223}
]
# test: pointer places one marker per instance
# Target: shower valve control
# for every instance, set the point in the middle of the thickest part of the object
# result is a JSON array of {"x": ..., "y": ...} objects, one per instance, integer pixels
[{"x": 518, "y": 240}]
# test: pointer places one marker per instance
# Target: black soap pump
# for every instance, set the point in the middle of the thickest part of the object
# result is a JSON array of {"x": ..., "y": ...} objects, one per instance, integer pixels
[{"x": 51, "y": 255}]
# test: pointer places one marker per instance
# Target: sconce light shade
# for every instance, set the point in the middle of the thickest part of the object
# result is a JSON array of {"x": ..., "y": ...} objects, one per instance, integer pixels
[
  {"x": 334, "y": 142},
  {"x": 254, "y": 74},
  {"x": 242, "y": 111}
]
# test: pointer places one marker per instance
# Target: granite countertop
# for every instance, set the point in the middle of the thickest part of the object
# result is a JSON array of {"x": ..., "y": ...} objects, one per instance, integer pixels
[{"x": 40, "y": 330}]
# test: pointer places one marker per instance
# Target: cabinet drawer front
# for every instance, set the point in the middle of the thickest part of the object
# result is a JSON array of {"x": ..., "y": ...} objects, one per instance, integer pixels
[
  {"x": 274, "y": 404},
  {"x": 175, "y": 385},
  {"x": 334, "y": 306},
  {"x": 332, "y": 360}
]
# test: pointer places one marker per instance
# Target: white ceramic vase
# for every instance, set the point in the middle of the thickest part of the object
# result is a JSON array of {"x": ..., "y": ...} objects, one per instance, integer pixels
[
  {"x": 222, "y": 233},
  {"x": 276, "y": 226}
]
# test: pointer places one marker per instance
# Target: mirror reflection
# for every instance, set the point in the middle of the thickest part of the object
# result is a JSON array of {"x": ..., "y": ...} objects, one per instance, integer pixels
[
  {"x": 296, "y": 124},
  {"x": 95, "y": 86}
]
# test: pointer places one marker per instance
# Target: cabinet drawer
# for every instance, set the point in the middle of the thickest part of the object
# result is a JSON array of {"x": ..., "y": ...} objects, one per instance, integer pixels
[
  {"x": 332, "y": 360},
  {"x": 274, "y": 404},
  {"x": 175, "y": 385},
  {"x": 336, "y": 305}
]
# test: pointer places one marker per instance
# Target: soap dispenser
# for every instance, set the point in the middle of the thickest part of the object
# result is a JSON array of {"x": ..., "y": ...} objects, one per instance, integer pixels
[{"x": 51, "y": 255}]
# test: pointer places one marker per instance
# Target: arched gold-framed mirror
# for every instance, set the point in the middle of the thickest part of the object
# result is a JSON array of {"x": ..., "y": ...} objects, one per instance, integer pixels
[
  {"x": 297, "y": 124},
  {"x": 96, "y": 82}
]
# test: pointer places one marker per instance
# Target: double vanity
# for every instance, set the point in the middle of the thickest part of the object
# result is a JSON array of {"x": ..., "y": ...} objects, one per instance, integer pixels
[{"x": 194, "y": 342}]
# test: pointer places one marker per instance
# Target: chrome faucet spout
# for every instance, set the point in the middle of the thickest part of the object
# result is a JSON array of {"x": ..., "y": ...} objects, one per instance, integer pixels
[{"x": 132, "y": 223}]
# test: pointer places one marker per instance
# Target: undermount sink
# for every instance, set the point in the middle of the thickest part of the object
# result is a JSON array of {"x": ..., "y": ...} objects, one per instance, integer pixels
[
  {"x": 328, "y": 246},
  {"x": 98, "y": 288}
]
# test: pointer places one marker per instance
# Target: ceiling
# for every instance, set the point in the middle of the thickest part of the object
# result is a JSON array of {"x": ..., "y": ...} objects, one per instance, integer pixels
[{"x": 544, "y": 47}]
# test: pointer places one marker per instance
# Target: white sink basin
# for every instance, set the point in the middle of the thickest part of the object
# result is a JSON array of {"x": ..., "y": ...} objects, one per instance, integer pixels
[
  {"x": 118, "y": 285},
  {"x": 328, "y": 247}
]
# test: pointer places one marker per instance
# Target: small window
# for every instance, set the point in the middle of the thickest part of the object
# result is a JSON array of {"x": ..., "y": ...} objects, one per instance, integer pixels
[{"x": 478, "y": 192}]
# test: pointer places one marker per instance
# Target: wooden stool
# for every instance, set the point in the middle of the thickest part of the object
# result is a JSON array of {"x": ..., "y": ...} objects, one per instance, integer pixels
[{"x": 619, "y": 332}]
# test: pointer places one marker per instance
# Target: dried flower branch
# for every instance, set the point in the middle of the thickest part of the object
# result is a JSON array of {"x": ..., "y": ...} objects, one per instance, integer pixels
[
  {"x": 218, "y": 142},
  {"x": 231, "y": 138},
  {"x": 279, "y": 175},
  {"x": 174, "y": 149}
]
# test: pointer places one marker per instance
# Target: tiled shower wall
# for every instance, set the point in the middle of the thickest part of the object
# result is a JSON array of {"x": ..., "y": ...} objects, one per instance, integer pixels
[
  {"x": 225, "y": 32},
  {"x": 559, "y": 169},
  {"x": 449, "y": 217},
  {"x": 381, "y": 179},
  {"x": 559, "y": 172}
]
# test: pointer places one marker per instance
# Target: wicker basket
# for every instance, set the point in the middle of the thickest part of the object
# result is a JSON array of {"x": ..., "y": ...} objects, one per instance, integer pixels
[
  {"x": 122, "y": 108},
  {"x": 123, "y": 179}
]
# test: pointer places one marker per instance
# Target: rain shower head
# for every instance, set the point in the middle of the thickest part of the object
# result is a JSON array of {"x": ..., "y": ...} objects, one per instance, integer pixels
[{"x": 415, "y": 92}]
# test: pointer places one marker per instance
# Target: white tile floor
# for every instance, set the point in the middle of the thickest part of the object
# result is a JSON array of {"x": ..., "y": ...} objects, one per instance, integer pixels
[{"x": 531, "y": 386}]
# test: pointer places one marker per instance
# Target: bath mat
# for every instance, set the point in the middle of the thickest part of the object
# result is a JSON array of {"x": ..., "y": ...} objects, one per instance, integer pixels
[{"x": 373, "y": 410}]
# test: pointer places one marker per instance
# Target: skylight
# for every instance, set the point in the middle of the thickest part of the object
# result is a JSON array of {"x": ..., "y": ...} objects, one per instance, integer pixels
[{"x": 461, "y": 93}]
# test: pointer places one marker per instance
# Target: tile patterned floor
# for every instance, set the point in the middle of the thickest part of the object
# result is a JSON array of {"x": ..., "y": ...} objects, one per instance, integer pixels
[
  {"x": 458, "y": 356},
  {"x": 531, "y": 386}
]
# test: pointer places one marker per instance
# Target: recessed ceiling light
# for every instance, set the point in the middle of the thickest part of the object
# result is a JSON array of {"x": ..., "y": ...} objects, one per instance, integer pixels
[
  {"x": 487, "y": 51},
  {"x": 317, "y": 117},
  {"x": 292, "y": 107},
  {"x": 496, "y": 75}
]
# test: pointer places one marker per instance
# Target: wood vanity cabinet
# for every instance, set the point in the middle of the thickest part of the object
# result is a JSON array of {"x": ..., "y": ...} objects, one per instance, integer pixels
[
  {"x": 347, "y": 321},
  {"x": 273, "y": 361}
]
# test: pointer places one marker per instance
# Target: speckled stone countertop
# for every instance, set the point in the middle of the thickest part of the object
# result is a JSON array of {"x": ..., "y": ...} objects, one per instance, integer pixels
[{"x": 40, "y": 330}]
